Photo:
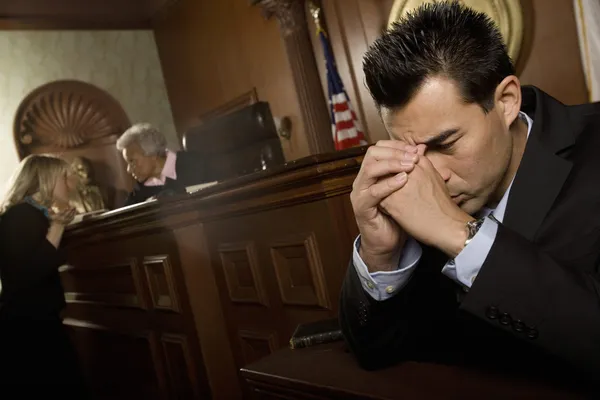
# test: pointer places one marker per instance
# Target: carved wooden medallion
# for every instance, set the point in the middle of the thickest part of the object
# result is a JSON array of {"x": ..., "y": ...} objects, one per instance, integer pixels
[
  {"x": 64, "y": 115},
  {"x": 507, "y": 14}
]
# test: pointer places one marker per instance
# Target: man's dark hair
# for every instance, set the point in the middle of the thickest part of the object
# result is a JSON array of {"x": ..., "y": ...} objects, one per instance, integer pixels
[{"x": 441, "y": 39}]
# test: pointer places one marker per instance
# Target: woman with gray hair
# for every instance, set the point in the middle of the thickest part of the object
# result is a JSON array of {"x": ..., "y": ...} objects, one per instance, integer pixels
[{"x": 157, "y": 170}]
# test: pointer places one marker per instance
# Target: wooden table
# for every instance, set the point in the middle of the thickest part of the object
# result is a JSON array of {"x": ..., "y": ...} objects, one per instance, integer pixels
[{"x": 330, "y": 372}]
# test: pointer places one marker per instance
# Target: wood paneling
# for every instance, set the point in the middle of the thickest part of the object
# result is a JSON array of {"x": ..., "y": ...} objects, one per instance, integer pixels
[
  {"x": 330, "y": 372},
  {"x": 242, "y": 276},
  {"x": 80, "y": 14},
  {"x": 214, "y": 51},
  {"x": 299, "y": 271},
  {"x": 195, "y": 287},
  {"x": 128, "y": 304},
  {"x": 549, "y": 56},
  {"x": 256, "y": 345},
  {"x": 300, "y": 276}
]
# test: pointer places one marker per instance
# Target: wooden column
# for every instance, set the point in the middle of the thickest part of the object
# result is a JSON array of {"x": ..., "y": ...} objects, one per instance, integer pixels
[{"x": 291, "y": 15}]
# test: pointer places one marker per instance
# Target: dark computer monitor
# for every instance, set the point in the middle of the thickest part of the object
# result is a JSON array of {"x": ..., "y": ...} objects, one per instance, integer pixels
[{"x": 237, "y": 143}]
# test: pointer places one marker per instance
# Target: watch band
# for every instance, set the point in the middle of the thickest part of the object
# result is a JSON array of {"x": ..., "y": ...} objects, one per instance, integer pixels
[{"x": 472, "y": 229}]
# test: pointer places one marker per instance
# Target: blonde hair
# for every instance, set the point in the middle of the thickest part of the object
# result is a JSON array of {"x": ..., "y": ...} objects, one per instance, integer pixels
[{"x": 37, "y": 173}]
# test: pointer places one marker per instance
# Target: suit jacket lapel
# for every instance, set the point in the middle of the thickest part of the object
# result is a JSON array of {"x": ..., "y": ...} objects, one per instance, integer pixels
[{"x": 542, "y": 171}]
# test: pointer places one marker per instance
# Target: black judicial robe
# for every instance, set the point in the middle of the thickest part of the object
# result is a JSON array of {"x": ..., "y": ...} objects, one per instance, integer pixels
[{"x": 190, "y": 170}]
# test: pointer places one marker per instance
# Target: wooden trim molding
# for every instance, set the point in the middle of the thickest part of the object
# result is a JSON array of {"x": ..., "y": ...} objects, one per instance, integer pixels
[
  {"x": 291, "y": 15},
  {"x": 298, "y": 182},
  {"x": 242, "y": 101}
]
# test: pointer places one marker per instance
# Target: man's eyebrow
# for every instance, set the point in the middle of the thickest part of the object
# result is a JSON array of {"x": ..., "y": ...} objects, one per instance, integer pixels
[{"x": 441, "y": 138}]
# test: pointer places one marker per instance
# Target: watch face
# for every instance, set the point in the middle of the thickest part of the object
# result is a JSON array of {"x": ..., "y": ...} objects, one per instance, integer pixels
[
  {"x": 479, "y": 222},
  {"x": 473, "y": 226}
]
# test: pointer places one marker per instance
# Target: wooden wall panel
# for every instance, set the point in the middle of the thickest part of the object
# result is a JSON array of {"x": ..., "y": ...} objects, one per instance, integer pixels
[
  {"x": 549, "y": 56},
  {"x": 292, "y": 269},
  {"x": 80, "y": 15},
  {"x": 195, "y": 287},
  {"x": 214, "y": 51},
  {"x": 207, "y": 310},
  {"x": 211, "y": 52},
  {"x": 128, "y": 304}
]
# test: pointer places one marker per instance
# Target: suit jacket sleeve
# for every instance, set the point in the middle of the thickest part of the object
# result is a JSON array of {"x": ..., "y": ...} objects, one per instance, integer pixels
[
  {"x": 28, "y": 256},
  {"x": 381, "y": 333},
  {"x": 525, "y": 292},
  {"x": 521, "y": 292}
]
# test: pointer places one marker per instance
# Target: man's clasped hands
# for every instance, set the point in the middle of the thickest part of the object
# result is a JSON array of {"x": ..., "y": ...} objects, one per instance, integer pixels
[{"x": 399, "y": 193}]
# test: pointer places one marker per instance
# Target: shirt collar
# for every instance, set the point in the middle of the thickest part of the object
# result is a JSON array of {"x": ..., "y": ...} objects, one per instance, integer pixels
[
  {"x": 169, "y": 171},
  {"x": 501, "y": 208},
  {"x": 31, "y": 201}
]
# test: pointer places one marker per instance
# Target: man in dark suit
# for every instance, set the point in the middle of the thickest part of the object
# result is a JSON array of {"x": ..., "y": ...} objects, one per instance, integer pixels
[
  {"x": 157, "y": 170},
  {"x": 479, "y": 221}
]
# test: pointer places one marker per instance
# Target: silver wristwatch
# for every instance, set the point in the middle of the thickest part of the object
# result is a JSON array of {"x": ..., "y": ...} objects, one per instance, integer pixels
[{"x": 472, "y": 229}]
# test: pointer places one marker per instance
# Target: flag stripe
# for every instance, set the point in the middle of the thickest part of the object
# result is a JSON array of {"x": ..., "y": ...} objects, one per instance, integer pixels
[
  {"x": 345, "y": 127},
  {"x": 340, "y": 107}
]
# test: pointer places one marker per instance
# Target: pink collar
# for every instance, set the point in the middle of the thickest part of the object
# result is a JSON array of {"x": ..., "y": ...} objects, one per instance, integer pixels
[{"x": 168, "y": 171}]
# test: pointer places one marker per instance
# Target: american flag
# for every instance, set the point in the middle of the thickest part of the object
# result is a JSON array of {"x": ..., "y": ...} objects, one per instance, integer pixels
[{"x": 345, "y": 126}]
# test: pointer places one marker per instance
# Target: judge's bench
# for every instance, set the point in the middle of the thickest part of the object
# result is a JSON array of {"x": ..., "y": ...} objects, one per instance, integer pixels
[{"x": 170, "y": 298}]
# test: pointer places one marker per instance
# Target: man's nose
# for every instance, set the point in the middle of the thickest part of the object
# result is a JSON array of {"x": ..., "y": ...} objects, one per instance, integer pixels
[
  {"x": 445, "y": 174},
  {"x": 439, "y": 165}
]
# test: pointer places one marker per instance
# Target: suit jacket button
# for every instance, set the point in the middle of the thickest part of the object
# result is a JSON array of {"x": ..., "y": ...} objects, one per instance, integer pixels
[
  {"x": 518, "y": 326},
  {"x": 532, "y": 333},
  {"x": 492, "y": 312},
  {"x": 505, "y": 319}
]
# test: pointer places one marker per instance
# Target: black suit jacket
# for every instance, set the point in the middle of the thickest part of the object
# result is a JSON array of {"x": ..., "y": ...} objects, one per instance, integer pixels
[
  {"x": 535, "y": 305},
  {"x": 35, "y": 347},
  {"x": 31, "y": 286},
  {"x": 190, "y": 170}
]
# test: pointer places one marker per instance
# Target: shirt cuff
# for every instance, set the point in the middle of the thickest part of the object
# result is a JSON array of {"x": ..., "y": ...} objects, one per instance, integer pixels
[
  {"x": 382, "y": 285},
  {"x": 465, "y": 267}
]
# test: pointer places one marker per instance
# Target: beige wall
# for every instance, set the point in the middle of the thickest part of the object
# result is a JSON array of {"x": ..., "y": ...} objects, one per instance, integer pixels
[{"x": 124, "y": 63}]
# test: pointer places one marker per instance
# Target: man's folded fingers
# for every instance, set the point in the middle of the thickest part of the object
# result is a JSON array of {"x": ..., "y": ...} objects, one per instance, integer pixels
[{"x": 385, "y": 187}]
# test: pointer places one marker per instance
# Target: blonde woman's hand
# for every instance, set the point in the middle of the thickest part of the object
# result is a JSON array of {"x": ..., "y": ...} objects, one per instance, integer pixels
[{"x": 62, "y": 215}]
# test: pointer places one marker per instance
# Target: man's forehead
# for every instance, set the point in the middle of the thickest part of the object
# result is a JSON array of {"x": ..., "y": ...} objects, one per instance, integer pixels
[
  {"x": 418, "y": 130},
  {"x": 435, "y": 107},
  {"x": 422, "y": 130}
]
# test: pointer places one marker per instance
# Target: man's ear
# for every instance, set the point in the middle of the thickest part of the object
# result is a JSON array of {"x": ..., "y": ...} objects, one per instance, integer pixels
[{"x": 507, "y": 99}]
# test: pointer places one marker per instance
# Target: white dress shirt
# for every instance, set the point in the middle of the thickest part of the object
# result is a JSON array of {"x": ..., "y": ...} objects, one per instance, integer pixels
[{"x": 463, "y": 269}]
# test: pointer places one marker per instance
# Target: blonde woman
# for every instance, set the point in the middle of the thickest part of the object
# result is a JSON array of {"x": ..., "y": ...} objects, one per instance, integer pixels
[{"x": 34, "y": 346}]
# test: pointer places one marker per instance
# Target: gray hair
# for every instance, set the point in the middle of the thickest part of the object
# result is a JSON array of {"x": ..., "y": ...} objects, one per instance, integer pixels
[{"x": 150, "y": 139}]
